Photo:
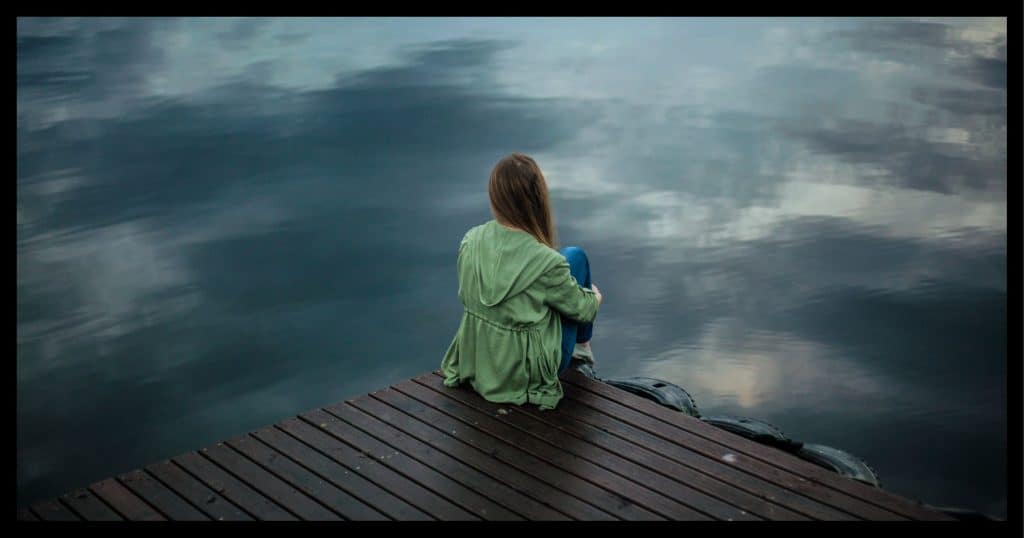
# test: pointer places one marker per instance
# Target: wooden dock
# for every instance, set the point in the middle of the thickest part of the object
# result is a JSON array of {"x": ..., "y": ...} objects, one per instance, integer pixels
[{"x": 421, "y": 451}]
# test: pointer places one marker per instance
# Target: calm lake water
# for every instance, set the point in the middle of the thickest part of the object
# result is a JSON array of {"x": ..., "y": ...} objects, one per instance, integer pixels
[{"x": 223, "y": 223}]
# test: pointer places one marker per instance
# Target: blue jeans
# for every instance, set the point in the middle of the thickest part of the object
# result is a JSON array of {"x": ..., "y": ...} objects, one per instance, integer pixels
[{"x": 572, "y": 330}]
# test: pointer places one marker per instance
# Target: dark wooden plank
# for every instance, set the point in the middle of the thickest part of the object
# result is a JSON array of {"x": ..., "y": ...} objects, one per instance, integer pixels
[
  {"x": 341, "y": 476},
  {"x": 571, "y": 454},
  {"x": 394, "y": 435},
  {"x": 292, "y": 499},
  {"x": 294, "y": 474},
  {"x": 609, "y": 503},
  {"x": 773, "y": 457},
  {"x": 796, "y": 492},
  {"x": 421, "y": 451},
  {"x": 429, "y": 478},
  {"x": 120, "y": 498},
  {"x": 696, "y": 476},
  {"x": 89, "y": 507},
  {"x": 738, "y": 488},
  {"x": 239, "y": 493},
  {"x": 561, "y": 472},
  {"x": 562, "y": 429},
  {"x": 483, "y": 462},
  {"x": 53, "y": 510},
  {"x": 383, "y": 476},
  {"x": 779, "y": 486},
  {"x": 745, "y": 490},
  {"x": 196, "y": 493},
  {"x": 713, "y": 466},
  {"x": 679, "y": 501},
  {"x": 166, "y": 501}
]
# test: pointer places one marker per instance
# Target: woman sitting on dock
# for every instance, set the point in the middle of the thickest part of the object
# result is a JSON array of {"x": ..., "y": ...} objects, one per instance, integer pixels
[{"x": 528, "y": 308}]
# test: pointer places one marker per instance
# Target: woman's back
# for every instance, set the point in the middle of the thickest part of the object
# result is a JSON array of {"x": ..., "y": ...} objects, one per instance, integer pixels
[{"x": 497, "y": 269}]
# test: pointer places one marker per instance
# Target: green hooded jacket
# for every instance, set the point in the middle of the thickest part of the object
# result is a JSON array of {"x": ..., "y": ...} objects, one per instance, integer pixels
[{"x": 512, "y": 288}]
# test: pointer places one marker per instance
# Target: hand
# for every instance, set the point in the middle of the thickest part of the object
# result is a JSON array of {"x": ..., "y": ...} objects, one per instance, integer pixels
[{"x": 597, "y": 292}]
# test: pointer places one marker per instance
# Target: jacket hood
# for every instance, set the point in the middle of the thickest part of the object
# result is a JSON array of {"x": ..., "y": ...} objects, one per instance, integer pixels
[{"x": 508, "y": 261}]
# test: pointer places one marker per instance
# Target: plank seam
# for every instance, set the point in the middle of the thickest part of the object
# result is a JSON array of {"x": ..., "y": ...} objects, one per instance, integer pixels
[
  {"x": 622, "y": 474},
  {"x": 761, "y": 459},
  {"x": 478, "y": 470},
  {"x": 584, "y": 478},
  {"x": 452, "y": 478},
  {"x": 485, "y": 453},
  {"x": 123, "y": 516},
  {"x": 287, "y": 482},
  {"x": 352, "y": 494},
  {"x": 182, "y": 497},
  {"x": 213, "y": 489},
  {"x": 125, "y": 485},
  {"x": 411, "y": 479},
  {"x": 251, "y": 486},
  {"x": 410, "y": 502},
  {"x": 651, "y": 467},
  {"x": 81, "y": 516},
  {"x": 740, "y": 470}
]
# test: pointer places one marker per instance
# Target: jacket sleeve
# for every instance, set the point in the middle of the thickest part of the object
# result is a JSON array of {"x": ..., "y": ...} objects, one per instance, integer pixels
[
  {"x": 564, "y": 294},
  {"x": 461, "y": 259}
]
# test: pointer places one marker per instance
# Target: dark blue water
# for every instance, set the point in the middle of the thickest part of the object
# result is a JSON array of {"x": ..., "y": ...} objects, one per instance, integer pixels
[{"x": 223, "y": 223}]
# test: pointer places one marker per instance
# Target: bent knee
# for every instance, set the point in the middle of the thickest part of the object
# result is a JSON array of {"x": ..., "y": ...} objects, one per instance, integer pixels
[{"x": 574, "y": 254}]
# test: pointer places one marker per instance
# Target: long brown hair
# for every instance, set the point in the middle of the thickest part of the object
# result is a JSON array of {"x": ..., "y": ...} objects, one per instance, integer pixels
[{"x": 519, "y": 197}]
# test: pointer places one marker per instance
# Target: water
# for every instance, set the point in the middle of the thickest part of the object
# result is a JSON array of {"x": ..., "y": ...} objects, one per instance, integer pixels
[{"x": 223, "y": 223}]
